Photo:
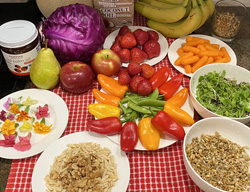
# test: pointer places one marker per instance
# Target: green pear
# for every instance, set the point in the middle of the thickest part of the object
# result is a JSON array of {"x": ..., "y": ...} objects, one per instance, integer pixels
[{"x": 45, "y": 69}]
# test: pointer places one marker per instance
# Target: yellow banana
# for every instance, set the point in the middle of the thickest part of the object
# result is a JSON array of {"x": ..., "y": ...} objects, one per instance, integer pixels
[
  {"x": 188, "y": 8},
  {"x": 210, "y": 5},
  {"x": 180, "y": 28},
  {"x": 170, "y": 15},
  {"x": 205, "y": 12},
  {"x": 159, "y": 4},
  {"x": 175, "y": 2}
]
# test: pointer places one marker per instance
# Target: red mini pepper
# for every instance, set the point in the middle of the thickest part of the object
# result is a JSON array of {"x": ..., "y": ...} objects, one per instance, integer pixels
[
  {"x": 159, "y": 77},
  {"x": 171, "y": 86},
  {"x": 168, "y": 126},
  {"x": 107, "y": 125},
  {"x": 129, "y": 136}
]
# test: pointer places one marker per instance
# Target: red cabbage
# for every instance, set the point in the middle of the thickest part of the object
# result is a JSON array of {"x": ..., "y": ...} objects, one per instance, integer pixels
[{"x": 75, "y": 32}]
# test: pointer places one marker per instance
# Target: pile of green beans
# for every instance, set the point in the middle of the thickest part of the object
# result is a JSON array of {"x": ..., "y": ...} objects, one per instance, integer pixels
[{"x": 134, "y": 106}]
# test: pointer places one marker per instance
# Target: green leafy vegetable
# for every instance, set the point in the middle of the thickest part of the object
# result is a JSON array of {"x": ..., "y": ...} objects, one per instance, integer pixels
[{"x": 224, "y": 96}]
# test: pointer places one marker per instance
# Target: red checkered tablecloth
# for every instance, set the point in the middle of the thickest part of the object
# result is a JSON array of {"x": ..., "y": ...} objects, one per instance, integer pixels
[{"x": 150, "y": 171}]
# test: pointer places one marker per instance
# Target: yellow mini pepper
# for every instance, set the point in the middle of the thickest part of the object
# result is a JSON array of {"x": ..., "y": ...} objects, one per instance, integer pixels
[
  {"x": 148, "y": 134},
  {"x": 104, "y": 110}
]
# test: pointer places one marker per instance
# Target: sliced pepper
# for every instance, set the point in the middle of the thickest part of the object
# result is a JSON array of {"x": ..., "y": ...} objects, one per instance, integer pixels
[
  {"x": 129, "y": 136},
  {"x": 104, "y": 98},
  {"x": 148, "y": 134},
  {"x": 106, "y": 126},
  {"x": 103, "y": 110},
  {"x": 178, "y": 114},
  {"x": 159, "y": 77},
  {"x": 179, "y": 98},
  {"x": 168, "y": 126},
  {"x": 171, "y": 86},
  {"x": 112, "y": 86}
]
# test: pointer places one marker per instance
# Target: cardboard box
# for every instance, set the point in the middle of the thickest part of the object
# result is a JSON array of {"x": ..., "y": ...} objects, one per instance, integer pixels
[{"x": 116, "y": 13}]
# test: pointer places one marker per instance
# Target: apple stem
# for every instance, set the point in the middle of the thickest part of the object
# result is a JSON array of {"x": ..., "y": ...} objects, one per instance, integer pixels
[{"x": 46, "y": 43}]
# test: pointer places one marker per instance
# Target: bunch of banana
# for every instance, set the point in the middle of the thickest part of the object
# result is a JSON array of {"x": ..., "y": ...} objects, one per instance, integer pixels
[{"x": 175, "y": 18}]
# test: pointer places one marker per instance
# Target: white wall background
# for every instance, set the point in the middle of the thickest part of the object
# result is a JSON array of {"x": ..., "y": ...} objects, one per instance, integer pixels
[{"x": 245, "y": 2}]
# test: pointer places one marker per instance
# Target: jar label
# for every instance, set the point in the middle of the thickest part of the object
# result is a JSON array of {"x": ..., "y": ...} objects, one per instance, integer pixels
[{"x": 19, "y": 64}]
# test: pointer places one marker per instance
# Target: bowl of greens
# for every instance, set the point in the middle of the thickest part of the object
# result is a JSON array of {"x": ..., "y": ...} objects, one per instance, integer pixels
[{"x": 221, "y": 90}]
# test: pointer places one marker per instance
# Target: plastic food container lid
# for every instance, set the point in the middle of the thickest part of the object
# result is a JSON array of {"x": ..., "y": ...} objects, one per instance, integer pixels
[{"x": 17, "y": 33}]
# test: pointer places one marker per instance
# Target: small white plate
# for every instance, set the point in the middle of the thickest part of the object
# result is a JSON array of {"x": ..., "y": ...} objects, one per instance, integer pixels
[
  {"x": 46, "y": 159},
  {"x": 162, "y": 40},
  {"x": 58, "y": 118},
  {"x": 172, "y": 54}
]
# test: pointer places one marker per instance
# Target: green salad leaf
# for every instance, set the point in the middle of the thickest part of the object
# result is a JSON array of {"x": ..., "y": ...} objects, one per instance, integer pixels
[{"x": 223, "y": 96}]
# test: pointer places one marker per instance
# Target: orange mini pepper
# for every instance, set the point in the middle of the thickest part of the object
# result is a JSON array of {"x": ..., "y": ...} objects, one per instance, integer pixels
[
  {"x": 179, "y": 98},
  {"x": 148, "y": 134},
  {"x": 112, "y": 86},
  {"x": 178, "y": 114},
  {"x": 104, "y": 98}
]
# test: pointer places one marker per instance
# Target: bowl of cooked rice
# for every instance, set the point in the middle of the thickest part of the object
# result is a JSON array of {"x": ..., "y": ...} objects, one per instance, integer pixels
[
  {"x": 216, "y": 154},
  {"x": 221, "y": 90}
]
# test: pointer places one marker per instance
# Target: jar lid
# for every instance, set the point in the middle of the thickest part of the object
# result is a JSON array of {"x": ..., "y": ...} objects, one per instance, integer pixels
[{"x": 17, "y": 33}]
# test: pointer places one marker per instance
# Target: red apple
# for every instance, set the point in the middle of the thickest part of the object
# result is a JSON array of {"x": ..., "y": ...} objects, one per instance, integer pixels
[
  {"x": 106, "y": 62},
  {"x": 76, "y": 77}
]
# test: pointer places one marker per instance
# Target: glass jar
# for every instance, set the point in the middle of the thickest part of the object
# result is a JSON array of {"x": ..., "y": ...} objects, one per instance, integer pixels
[
  {"x": 19, "y": 43},
  {"x": 227, "y": 18}
]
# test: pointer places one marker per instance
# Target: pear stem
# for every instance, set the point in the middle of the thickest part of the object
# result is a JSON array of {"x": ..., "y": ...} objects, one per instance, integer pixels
[{"x": 46, "y": 43}]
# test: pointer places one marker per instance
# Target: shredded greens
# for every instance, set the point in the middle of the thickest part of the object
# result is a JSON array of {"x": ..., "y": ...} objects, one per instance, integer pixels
[{"x": 223, "y": 96}]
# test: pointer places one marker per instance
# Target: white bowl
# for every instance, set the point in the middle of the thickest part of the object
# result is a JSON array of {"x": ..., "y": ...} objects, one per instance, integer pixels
[
  {"x": 232, "y": 71},
  {"x": 233, "y": 130}
]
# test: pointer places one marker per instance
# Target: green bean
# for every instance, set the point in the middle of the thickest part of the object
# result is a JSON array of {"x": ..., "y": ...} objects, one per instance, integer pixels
[
  {"x": 151, "y": 102},
  {"x": 137, "y": 108},
  {"x": 123, "y": 108},
  {"x": 155, "y": 94},
  {"x": 132, "y": 116}
]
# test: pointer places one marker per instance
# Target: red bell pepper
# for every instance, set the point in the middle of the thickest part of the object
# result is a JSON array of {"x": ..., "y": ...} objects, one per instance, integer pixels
[
  {"x": 107, "y": 125},
  {"x": 159, "y": 77},
  {"x": 168, "y": 126},
  {"x": 171, "y": 86},
  {"x": 129, "y": 136}
]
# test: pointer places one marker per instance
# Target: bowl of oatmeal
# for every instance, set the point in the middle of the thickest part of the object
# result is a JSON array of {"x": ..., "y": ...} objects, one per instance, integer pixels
[{"x": 217, "y": 156}]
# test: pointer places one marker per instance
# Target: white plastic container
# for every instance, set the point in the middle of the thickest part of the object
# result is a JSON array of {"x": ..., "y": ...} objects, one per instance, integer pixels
[{"x": 20, "y": 45}]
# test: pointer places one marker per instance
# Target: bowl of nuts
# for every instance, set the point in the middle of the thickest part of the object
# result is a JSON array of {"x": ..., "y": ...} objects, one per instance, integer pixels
[{"x": 217, "y": 156}]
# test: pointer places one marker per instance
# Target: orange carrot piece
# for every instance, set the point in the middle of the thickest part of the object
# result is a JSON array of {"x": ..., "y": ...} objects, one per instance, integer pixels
[
  {"x": 187, "y": 68},
  {"x": 199, "y": 38},
  {"x": 211, "y": 53},
  {"x": 180, "y": 51},
  {"x": 199, "y": 63},
  {"x": 190, "y": 60},
  {"x": 183, "y": 56},
  {"x": 195, "y": 43},
  {"x": 188, "y": 48},
  {"x": 202, "y": 47},
  {"x": 216, "y": 46},
  {"x": 226, "y": 54},
  {"x": 210, "y": 60},
  {"x": 210, "y": 47},
  {"x": 189, "y": 38},
  {"x": 222, "y": 60}
]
